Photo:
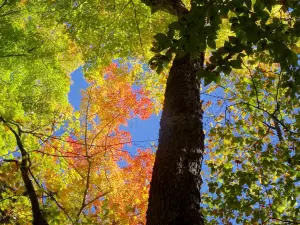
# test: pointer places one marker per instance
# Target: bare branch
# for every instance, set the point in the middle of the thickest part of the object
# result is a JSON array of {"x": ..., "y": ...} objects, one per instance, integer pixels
[
  {"x": 83, "y": 204},
  {"x": 10, "y": 160}
]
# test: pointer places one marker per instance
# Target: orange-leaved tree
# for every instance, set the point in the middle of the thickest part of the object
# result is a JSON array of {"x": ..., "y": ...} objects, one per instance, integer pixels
[{"x": 80, "y": 171}]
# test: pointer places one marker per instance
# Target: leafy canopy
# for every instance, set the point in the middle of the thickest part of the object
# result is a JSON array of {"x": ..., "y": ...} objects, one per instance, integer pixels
[
  {"x": 266, "y": 31},
  {"x": 251, "y": 62}
]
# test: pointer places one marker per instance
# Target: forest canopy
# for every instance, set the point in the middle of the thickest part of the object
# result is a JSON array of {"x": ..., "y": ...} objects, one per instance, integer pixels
[{"x": 65, "y": 165}]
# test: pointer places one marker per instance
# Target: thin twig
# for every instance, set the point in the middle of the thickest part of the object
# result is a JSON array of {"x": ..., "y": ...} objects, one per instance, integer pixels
[
  {"x": 87, "y": 186},
  {"x": 3, "y": 4},
  {"x": 138, "y": 27},
  {"x": 49, "y": 194}
]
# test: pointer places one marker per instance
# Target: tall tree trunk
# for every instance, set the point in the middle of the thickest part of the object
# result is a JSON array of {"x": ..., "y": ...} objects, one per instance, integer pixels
[{"x": 175, "y": 186}]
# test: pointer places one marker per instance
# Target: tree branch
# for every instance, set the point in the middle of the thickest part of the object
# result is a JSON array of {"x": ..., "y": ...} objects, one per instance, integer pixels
[
  {"x": 10, "y": 13},
  {"x": 271, "y": 115},
  {"x": 3, "y": 4},
  {"x": 11, "y": 160},
  {"x": 38, "y": 218},
  {"x": 94, "y": 199},
  {"x": 286, "y": 221},
  {"x": 138, "y": 27},
  {"x": 88, "y": 161},
  {"x": 49, "y": 194}
]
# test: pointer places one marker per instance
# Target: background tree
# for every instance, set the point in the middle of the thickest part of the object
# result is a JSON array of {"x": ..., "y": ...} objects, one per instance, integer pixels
[
  {"x": 252, "y": 151},
  {"x": 73, "y": 163}
]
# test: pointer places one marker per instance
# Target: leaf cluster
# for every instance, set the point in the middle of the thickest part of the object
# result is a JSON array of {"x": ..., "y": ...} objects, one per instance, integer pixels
[{"x": 266, "y": 30}]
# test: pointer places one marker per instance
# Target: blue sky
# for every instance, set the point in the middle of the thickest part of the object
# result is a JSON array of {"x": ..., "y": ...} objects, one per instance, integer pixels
[
  {"x": 78, "y": 83},
  {"x": 143, "y": 132}
]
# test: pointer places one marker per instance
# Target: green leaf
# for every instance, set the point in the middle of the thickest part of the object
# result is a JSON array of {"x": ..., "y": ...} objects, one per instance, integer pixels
[
  {"x": 217, "y": 78},
  {"x": 225, "y": 68},
  {"x": 248, "y": 4},
  {"x": 236, "y": 64},
  {"x": 228, "y": 165},
  {"x": 160, "y": 37},
  {"x": 171, "y": 33},
  {"x": 175, "y": 26},
  {"x": 211, "y": 43},
  {"x": 259, "y": 5},
  {"x": 281, "y": 208},
  {"x": 201, "y": 73}
]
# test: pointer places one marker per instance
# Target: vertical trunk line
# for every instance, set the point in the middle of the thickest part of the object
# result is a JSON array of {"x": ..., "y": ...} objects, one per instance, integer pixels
[
  {"x": 174, "y": 197},
  {"x": 38, "y": 218}
]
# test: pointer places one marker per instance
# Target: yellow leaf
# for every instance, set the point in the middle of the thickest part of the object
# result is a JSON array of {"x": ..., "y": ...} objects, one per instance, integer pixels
[{"x": 227, "y": 142}]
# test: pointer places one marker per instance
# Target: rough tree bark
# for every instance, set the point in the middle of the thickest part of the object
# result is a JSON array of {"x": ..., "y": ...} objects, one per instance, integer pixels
[
  {"x": 175, "y": 187},
  {"x": 174, "y": 197}
]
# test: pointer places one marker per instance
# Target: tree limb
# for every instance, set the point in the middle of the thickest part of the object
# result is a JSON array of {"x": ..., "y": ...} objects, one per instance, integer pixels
[
  {"x": 87, "y": 186},
  {"x": 3, "y": 4},
  {"x": 38, "y": 218},
  {"x": 49, "y": 194}
]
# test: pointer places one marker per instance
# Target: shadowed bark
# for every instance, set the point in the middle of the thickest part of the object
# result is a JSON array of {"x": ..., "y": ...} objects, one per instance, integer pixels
[
  {"x": 175, "y": 187},
  {"x": 174, "y": 197},
  {"x": 38, "y": 217}
]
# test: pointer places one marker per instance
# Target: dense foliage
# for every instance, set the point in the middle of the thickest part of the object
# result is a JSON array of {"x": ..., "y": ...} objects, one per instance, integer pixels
[{"x": 76, "y": 159}]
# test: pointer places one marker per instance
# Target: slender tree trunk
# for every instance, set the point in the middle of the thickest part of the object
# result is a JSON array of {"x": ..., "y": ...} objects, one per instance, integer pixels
[
  {"x": 38, "y": 217},
  {"x": 175, "y": 186}
]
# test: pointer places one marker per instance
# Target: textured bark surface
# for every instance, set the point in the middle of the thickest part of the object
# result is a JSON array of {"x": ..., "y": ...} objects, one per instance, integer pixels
[{"x": 175, "y": 187}]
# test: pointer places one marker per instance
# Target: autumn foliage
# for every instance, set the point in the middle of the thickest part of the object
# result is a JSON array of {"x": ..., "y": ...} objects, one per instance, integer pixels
[
  {"x": 85, "y": 170},
  {"x": 81, "y": 166}
]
